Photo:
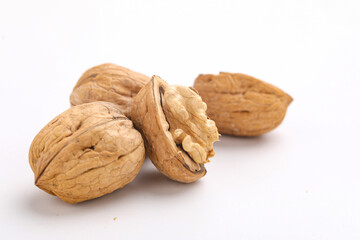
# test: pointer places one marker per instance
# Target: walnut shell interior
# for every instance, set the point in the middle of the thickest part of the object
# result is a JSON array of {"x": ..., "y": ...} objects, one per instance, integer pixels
[{"x": 177, "y": 133}]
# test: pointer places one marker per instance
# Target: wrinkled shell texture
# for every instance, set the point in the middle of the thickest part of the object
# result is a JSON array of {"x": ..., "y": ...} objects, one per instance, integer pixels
[
  {"x": 242, "y": 105},
  {"x": 86, "y": 152},
  {"x": 110, "y": 83},
  {"x": 169, "y": 119}
]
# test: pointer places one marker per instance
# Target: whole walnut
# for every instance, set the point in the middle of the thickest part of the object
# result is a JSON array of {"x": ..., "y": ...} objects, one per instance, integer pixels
[
  {"x": 108, "y": 82},
  {"x": 178, "y": 134},
  {"x": 86, "y": 152},
  {"x": 242, "y": 105}
]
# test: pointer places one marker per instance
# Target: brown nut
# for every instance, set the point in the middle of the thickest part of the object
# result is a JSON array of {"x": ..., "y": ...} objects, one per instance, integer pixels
[
  {"x": 86, "y": 152},
  {"x": 178, "y": 135},
  {"x": 242, "y": 105},
  {"x": 108, "y": 82}
]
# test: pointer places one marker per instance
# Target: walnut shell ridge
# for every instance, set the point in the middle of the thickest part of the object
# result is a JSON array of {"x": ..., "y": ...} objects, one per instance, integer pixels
[
  {"x": 242, "y": 105},
  {"x": 174, "y": 134},
  {"x": 86, "y": 152},
  {"x": 108, "y": 82}
]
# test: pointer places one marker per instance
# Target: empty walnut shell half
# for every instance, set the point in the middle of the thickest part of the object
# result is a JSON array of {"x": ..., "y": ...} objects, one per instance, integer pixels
[
  {"x": 242, "y": 105},
  {"x": 86, "y": 152},
  {"x": 178, "y": 135},
  {"x": 108, "y": 82}
]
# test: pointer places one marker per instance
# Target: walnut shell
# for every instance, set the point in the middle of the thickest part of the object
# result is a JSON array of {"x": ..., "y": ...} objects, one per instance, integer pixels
[
  {"x": 177, "y": 133},
  {"x": 242, "y": 105},
  {"x": 86, "y": 152},
  {"x": 108, "y": 82}
]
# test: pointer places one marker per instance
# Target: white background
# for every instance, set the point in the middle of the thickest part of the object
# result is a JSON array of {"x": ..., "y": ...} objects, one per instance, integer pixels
[{"x": 301, "y": 181}]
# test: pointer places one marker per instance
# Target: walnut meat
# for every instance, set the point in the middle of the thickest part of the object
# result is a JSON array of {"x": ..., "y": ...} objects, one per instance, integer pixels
[
  {"x": 178, "y": 135},
  {"x": 87, "y": 151},
  {"x": 110, "y": 83},
  {"x": 242, "y": 105}
]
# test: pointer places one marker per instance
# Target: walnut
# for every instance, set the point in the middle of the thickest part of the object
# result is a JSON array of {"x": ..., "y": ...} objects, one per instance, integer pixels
[
  {"x": 87, "y": 151},
  {"x": 177, "y": 133},
  {"x": 242, "y": 105},
  {"x": 110, "y": 83}
]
